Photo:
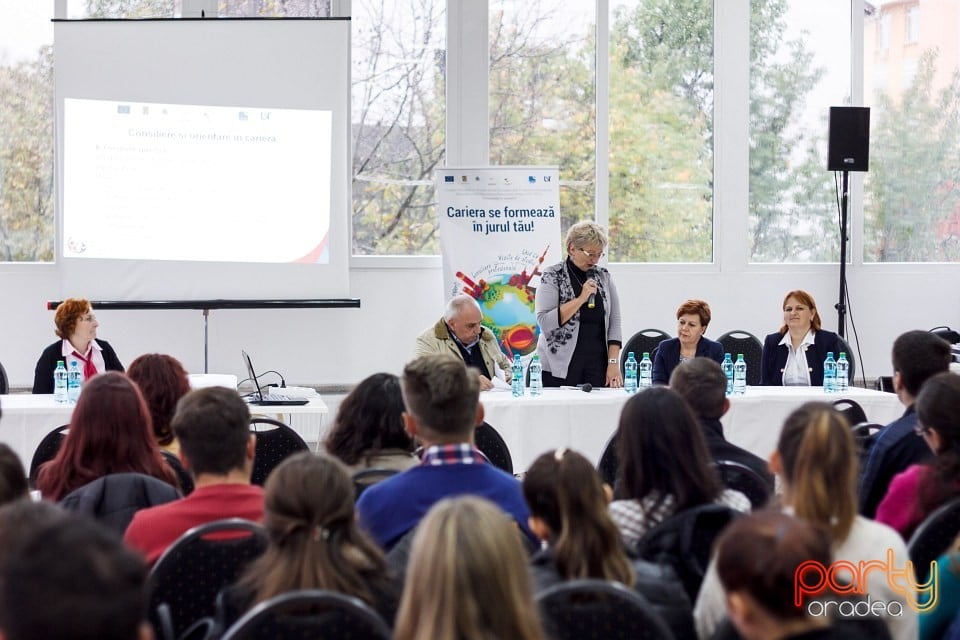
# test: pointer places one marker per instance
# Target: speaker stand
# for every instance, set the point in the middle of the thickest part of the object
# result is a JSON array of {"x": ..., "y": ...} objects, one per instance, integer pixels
[{"x": 841, "y": 305}]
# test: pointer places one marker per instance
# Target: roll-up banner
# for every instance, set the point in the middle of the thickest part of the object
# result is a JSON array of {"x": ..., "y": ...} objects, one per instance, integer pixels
[{"x": 498, "y": 227}]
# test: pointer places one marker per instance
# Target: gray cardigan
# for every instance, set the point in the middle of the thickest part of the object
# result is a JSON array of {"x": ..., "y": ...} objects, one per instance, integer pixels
[{"x": 556, "y": 343}]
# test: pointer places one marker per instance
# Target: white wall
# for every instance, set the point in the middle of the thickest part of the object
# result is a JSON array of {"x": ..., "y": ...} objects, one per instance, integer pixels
[{"x": 341, "y": 346}]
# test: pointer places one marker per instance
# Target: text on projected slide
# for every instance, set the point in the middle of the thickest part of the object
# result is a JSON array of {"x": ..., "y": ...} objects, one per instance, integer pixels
[{"x": 149, "y": 181}]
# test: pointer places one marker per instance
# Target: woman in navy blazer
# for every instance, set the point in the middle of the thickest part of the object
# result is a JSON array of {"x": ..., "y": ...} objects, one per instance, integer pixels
[
  {"x": 794, "y": 355},
  {"x": 693, "y": 316}
]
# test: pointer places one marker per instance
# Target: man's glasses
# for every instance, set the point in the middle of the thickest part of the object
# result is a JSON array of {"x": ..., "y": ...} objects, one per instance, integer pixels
[{"x": 591, "y": 254}]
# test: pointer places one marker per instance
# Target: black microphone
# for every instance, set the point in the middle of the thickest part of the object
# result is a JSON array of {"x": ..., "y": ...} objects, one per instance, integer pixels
[
  {"x": 586, "y": 387},
  {"x": 592, "y": 300}
]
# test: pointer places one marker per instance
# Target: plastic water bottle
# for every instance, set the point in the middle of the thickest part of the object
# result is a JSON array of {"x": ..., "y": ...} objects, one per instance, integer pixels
[
  {"x": 60, "y": 383},
  {"x": 739, "y": 376},
  {"x": 73, "y": 382},
  {"x": 830, "y": 374},
  {"x": 516, "y": 376},
  {"x": 646, "y": 371},
  {"x": 536, "y": 376},
  {"x": 843, "y": 373},
  {"x": 727, "y": 367},
  {"x": 630, "y": 374}
]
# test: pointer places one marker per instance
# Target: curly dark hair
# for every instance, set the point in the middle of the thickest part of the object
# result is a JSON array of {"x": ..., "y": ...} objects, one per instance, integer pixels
[{"x": 369, "y": 418}]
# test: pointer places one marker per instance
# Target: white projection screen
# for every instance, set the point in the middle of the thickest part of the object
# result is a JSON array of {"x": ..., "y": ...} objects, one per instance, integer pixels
[{"x": 203, "y": 159}]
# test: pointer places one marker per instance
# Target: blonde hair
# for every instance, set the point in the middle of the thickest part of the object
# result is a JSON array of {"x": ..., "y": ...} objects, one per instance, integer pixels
[
  {"x": 587, "y": 232},
  {"x": 467, "y": 577},
  {"x": 820, "y": 467}
]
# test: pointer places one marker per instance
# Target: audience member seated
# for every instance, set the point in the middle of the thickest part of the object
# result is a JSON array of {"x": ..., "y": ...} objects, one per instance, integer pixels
[
  {"x": 919, "y": 490},
  {"x": 917, "y": 357},
  {"x": 816, "y": 461},
  {"x": 72, "y": 580},
  {"x": 935, "y": 622},
  {"x": 216, "y": 446},
  {"x": 693, "y": 316},
  {"x": 314, "y": 542},
  {"x": 664, "y": 465},
  {"x": 794, "y": 355},
  {"x": 459, "y": 333},
  {"x": 77, "y": 328},
  {"x": 443, "y": 407},
  {"x": 468, "y": 577},
  {"x": 110, "y": 432},
  {"x": 368, "y": 431},
  {"x": 702, "y": 383},
  {"x": 13, "y": 478},
  {"x": 568, "y": 512},
  {"x": 163, "y": 381},
  {"x": 757, "y": 561}
]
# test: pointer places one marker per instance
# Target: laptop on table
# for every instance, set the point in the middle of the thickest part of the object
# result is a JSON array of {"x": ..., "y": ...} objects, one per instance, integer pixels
[{"x": 268, "y": 399}]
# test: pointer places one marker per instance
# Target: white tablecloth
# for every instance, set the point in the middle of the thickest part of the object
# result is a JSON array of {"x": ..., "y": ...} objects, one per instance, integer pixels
[
  {"x": 27, "y": 418},
  {"x": 585, "y": 421}
]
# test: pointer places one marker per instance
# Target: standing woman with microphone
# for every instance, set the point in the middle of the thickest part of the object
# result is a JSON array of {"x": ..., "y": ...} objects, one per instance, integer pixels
[{"x": 578, "y": 311}]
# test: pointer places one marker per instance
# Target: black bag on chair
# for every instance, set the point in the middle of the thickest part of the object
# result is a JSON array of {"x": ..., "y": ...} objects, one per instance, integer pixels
[{"x": 946, "y": 333}]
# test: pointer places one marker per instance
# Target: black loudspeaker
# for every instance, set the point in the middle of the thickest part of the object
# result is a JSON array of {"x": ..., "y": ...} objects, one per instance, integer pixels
[{"x": 849, "y": 139}]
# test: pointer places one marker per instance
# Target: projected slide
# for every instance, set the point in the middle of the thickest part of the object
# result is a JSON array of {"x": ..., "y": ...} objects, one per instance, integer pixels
[{"x": 150, "y": 181}]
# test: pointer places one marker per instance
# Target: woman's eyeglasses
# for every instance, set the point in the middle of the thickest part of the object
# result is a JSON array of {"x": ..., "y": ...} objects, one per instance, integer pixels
[{"x": 591, "y": 254}]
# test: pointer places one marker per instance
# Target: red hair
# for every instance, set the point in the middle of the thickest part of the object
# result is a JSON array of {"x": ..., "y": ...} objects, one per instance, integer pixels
[
  {"x": 68, "y": 315},
  {"x": 695, "y": 307},
  {"x": 803, "y": 298},
  {"x": 110, "y": 432},
  {"x": 163, "y": 381}
]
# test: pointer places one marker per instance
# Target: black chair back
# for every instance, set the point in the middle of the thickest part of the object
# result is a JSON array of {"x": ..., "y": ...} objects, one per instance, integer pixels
[
  {"x": 4, "y": 383},
  {"x": 275, "y": 442},
  {"x": 607, "y": 467},
  {"x": 47, "y": 450},
  {"x": 851, "y": 410},
  {"x": 738, "y": 341},
  {"x": 492, "y": 445},
  {"x": 739, "y": 477},
  {"x": 863, "y": 436},
  {"x": 645, "y": 340},
  {"x": 310, "y": 614},
  {"x": 933, "y": 537},
  {"x": 599, "y": 609},
  {"x": 183, "y": 476},
  {"x": 114, "y": 498},
  {"x": 205, "y": 559},
  {"x": 365, "y": 478},
  {"x": 685, "y": 542}
]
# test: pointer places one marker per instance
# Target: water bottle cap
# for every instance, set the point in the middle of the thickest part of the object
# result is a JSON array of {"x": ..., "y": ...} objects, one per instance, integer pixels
[
  {"x": 630, "y": 354},
  {"x": 727, "y": 356},
  {"x": 843, "y": 354},
  {"x": 646, "y": 354},
  {"x": 829, "y": 354},
  {"x": 739, "y": 357}
]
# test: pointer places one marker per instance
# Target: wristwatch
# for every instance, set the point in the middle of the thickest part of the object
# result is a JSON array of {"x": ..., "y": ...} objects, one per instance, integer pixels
[{"x": 613, "y": 361}]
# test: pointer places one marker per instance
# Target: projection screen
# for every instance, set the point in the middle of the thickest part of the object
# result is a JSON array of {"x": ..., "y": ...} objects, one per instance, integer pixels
[{"x": 203, "y": 158}]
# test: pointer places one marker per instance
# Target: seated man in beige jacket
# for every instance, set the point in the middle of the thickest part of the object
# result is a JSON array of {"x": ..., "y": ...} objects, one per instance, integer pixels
[{"x": 460, "y": 333}]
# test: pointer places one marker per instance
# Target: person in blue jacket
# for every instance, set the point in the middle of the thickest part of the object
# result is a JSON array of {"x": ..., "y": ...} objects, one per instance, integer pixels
[
  {"x": 794, "y": 355},
  {"x": 693, "y": 316}
]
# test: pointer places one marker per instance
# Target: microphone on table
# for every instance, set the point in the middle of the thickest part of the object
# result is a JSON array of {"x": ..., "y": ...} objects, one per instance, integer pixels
[
  {"x": 592, "y": 300},
  {"x": 586, "y": 387}
]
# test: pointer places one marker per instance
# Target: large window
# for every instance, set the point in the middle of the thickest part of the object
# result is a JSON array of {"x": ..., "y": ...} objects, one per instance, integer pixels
[
  {"x": 542, "y": 94},
  {"x": 799, "y": 67},
  {"x": 399, "y": 67},
  {"x": 661, "y": 131},
  {"x": 912, "y": 192},
  {"x": 26, "y": 132}
]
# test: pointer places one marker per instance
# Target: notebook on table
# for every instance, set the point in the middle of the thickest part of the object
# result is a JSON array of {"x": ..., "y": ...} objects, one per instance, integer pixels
[{"x": 267, "y": 399}]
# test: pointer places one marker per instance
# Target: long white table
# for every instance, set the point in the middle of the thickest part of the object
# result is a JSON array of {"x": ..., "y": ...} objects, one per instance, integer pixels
[
  {"x": 585, "y": 421},
  {"x": 27, "y": 418}
]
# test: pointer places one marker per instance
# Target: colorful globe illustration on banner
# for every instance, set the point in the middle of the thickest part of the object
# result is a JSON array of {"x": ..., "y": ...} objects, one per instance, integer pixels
[
  {"x": 507, "y": 303},
  {"x": 508, "y": 310}
]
